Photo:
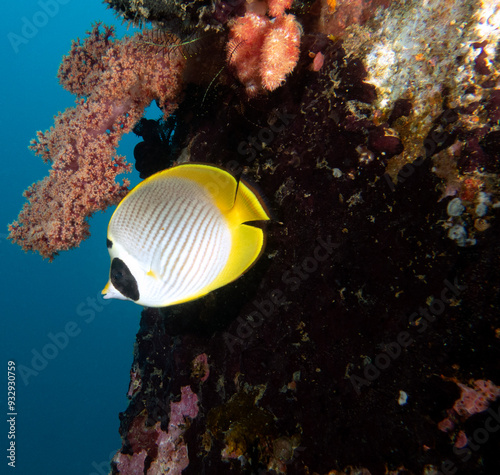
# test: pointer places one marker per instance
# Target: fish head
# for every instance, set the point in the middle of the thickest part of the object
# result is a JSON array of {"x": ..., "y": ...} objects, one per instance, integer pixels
[{"x": 128, "y": 280}]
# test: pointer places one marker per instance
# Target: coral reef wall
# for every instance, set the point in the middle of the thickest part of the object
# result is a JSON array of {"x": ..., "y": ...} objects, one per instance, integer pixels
[{"x": 366, "y": 339}]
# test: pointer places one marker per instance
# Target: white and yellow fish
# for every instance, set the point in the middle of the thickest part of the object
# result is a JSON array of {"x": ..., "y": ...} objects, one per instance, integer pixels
[{"x": 182, "y": 233}]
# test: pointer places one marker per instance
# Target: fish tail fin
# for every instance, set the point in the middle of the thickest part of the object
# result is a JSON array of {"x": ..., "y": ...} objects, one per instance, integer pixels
[{"x": 248, "y": 241}]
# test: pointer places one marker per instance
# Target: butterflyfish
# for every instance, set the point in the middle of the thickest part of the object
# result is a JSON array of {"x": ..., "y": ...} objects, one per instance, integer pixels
[{"x": 181, "y": 234}]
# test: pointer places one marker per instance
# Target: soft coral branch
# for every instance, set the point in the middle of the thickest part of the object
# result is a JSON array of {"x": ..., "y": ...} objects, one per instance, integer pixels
[
  {"x": 263, "y": 51},
  {"x": 116, "y": 80}
]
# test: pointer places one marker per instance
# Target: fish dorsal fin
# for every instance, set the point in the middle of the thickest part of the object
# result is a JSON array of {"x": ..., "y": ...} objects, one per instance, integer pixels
[
  {"x": 219, "y": 184},
  {"x": 236, "y": 199}
]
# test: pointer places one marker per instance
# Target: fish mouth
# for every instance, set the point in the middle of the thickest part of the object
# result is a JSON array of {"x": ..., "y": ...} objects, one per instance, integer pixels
[
  {"x": 106, "y": 289},
  {"x": 109, "y": 292}
]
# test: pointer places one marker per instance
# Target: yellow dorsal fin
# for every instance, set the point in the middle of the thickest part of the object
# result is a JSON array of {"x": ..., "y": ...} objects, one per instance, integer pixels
[
  {"x": 220, "y": 184},
  {"x": 236, "y": 200}
]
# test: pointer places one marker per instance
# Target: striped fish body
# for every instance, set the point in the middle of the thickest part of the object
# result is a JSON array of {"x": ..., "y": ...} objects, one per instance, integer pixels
[{"x": 181, "y": 234}]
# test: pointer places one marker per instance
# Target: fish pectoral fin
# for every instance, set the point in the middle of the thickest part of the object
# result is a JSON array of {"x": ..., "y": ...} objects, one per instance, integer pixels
[{"x": 151, "y": 273}]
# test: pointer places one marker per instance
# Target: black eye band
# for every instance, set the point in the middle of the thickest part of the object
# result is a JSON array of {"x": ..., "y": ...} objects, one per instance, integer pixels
[{"x": 123, "y": 280}]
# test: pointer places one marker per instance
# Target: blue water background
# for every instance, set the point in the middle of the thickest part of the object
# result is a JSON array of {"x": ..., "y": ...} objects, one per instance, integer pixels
[{"x": 67, "y": 414}]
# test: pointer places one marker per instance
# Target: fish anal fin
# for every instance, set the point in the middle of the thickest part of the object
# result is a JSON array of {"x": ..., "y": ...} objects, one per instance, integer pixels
[{"x": 247, "y": 246}]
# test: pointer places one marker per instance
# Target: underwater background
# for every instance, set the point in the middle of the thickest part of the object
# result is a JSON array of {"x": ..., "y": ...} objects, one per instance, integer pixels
[
  {"x": 366, "y": 339},
  {"x": 67, "y": 418}
]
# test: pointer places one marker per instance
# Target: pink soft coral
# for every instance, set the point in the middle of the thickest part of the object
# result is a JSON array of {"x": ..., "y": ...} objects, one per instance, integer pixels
[
  {"x": 471, "y": 401},
  {"x": 167, "y": 450},
  {"x": 263, "y": 51},
  {"x": 116, "y": 81}
]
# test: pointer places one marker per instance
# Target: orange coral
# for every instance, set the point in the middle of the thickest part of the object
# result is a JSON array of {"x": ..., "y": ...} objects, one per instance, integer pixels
[
  {"x": 120, "y": 79},
  {"x": 244, "y": 48},
  {"x": 278, "y": 7},
  {"x": 263, "y": 51},
  {"x": 337, "y": 15},
  {"x": 280, "y": 51}
]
